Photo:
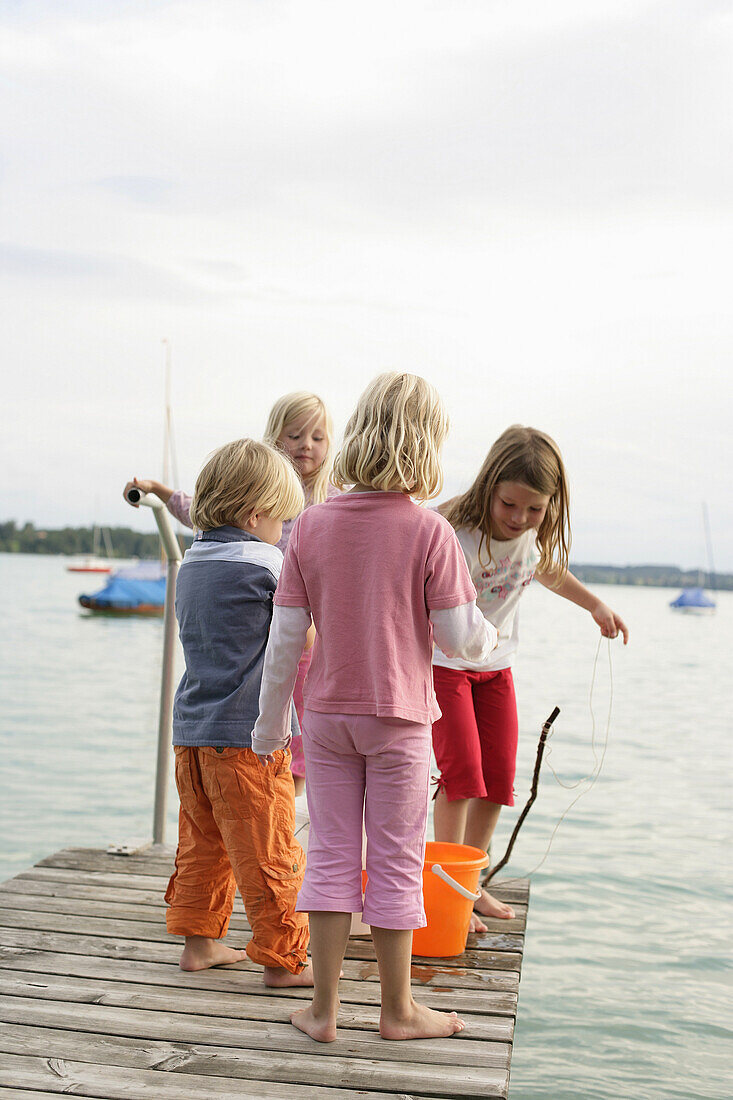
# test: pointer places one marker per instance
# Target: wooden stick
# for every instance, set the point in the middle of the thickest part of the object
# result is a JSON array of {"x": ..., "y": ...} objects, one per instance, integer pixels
[{"x": 533, "y": 794}]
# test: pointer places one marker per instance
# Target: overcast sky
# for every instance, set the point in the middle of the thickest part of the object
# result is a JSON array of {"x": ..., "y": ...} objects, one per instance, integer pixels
[{"x": 527, "y": 202}]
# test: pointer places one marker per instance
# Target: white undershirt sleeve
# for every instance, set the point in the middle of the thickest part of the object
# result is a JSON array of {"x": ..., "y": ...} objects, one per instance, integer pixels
[
  {"x": 462, "y": 632},
  {"x": 287, "y": 639}
]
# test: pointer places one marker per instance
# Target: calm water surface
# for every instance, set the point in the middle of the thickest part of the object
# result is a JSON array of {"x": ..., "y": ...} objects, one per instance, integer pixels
[{"x": 626, "y": 984}]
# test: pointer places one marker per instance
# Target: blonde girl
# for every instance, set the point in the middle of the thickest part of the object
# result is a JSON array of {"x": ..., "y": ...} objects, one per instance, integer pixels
[
  {"x": 377, "y": 574},
  {"x": 513, "y": 524},
  {"x": 300, "y": 425}
]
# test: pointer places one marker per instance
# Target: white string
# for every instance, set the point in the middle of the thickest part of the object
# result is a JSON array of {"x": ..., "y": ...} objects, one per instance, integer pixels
[{"x": 589, "y": 779}]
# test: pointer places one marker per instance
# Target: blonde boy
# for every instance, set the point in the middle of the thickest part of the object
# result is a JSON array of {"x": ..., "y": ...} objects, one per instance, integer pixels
[{"x": 236, "y": 819}]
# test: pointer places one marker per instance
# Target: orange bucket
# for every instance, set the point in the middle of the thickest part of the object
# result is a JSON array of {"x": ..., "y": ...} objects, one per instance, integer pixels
[{"x": 450, "y": 887}]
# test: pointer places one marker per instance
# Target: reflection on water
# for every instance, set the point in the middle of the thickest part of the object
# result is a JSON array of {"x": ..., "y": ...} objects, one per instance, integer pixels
[{"x": 626, "y": 975}]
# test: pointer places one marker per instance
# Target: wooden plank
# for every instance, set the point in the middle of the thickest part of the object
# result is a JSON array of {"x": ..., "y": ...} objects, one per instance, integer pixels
[
  {"x": 302, "y": 1070},
  {"x": 278, "y": 1036},
  {"x": 63, "y": 1076},
  {"x": 515, "y": 889},
  {"x": 34, "y": 1094},
  {"x": 423, "y": 973},
  {"x": 157, "y": 885},
  {"x": 48, "y": 907},
  {"x": 137, "y": 904},
  {"x": 231, "y": 1006},
  {"x": 46, "y": 918},
  {"x": 221, "y": 981}
]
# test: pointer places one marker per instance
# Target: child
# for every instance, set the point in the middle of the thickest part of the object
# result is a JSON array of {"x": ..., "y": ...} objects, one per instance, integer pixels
[
  {"x": 379, "y": 575},
  {"x": 513, "y": 524},
  {"x": 300, "y": 425},
  {"x": 235, "y": 823}
]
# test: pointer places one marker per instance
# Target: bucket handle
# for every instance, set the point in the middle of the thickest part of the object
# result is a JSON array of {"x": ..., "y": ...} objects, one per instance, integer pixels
[{"x": 438, "y": 870}]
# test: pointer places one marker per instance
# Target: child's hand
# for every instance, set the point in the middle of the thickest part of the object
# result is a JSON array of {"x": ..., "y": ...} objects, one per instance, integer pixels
[
  {"x": 610, "y": 623},
  {"x": 265, "y": 759},
  {"x": 137, "y": 483}
]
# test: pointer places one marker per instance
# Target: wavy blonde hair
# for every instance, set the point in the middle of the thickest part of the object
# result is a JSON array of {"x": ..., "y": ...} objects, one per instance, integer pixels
[
  {"x": 532, "y": 458},
  {"x": 243, "y": 477},
  {"x": 291, "y": 407},
  {"x": 394, "y": 437}
]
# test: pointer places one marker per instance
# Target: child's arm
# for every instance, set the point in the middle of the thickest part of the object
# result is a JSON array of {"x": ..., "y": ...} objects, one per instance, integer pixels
[
  {"x": 571, "y": 589},
  {"x": 147, "y": 485},
  {"x": 287, "y": 638},
  {"x": 463, "y": 632},
  {"x": 177, "y": 502}
]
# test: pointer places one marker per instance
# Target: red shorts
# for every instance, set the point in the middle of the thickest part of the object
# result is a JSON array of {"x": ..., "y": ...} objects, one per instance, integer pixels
[{"x": 475, "y": 741}]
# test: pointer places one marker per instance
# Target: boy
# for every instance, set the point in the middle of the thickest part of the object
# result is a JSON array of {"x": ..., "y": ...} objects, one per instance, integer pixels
[{"x": 236, "y": 818}]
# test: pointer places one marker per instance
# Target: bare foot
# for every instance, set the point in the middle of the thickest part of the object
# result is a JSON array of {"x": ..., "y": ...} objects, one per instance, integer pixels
[
  {"x": 320, "y": 1028},
  {"x": 277, "y": 977},
  {"x": 201, "y": 952},
  {"x": 477, "y": 925},
  {"x": 489, "y": 906},
  {"x": 420, "y": 1023}
]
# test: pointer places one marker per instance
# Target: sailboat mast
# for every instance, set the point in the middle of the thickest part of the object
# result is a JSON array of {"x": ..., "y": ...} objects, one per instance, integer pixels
[
  {"x": 167, "y": 416},
  {"x": 709, "y": 544}
]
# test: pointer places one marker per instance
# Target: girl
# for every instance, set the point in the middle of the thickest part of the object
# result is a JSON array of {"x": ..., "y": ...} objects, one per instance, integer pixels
[
  {"x": 300, "y": 425},
  {"x": 379, "y": 575},
  {"x": 513, "y": 524}
]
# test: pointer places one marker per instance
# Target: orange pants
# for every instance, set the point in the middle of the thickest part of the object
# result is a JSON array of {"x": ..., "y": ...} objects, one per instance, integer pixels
[{"x": 235, "y": 829}]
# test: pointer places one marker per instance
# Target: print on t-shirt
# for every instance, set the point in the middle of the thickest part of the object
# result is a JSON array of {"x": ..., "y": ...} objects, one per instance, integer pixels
[{"x": 508, "y": 575}]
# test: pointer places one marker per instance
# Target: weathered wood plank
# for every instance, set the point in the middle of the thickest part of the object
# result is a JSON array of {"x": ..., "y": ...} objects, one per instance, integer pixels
[
  {"x": 499, "y": 1008},
  {"x": 138, "y": 904},
  {"x": 45, "y": 911},
  {"x": 515, "y": 889},
  {"x": 34, "y": 1094},
  {"x": 423, "y": 973},
  {"x": 230, "y": 1006},
  {"x": 64, "y": 1076},
  {"x": 154, "y": 932},
  {"x": 208, "y": 1062},
  {"x": 257, "y": 1035}
]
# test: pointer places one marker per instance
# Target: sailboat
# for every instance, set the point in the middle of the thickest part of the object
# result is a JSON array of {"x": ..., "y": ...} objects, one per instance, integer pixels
[
  {"x": 94, "y": 562},
  {"x": 695, "y": 601},
  {"x": 140, "y": 589}
]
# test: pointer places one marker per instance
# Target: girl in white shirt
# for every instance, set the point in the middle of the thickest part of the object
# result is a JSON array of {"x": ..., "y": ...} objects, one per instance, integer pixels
[{"x": 512, "y": 524}]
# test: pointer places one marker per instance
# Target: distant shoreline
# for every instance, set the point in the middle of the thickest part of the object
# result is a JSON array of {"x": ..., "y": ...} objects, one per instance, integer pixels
[{"x": 126, "y": 543}]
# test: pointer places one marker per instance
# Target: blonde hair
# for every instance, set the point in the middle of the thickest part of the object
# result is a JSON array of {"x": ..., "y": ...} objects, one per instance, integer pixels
[
  {"x": 291, "y": 407},
  {"x": 532, "y": 458},
  {"x": 243, "y": 477},
  {"x": 393, "y": 438}
]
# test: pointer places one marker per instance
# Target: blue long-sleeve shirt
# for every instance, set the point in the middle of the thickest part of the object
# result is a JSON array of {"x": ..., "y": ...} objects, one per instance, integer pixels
[{"x": 224, "y": 608}]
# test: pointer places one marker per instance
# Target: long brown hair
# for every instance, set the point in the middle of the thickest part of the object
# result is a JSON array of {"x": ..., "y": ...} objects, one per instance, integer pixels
[{"x": 532, "y": 458}]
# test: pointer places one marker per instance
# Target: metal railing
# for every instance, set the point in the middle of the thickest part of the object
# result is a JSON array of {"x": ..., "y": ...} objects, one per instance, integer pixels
[{"x": 167, "y": 686}]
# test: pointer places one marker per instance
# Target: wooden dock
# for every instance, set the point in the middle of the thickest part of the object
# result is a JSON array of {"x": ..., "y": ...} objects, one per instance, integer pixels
[{"x": 94, "y": 1004}]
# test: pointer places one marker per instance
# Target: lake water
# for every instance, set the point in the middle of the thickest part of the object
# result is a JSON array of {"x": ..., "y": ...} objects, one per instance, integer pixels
[{"x": 626, "y": 983}]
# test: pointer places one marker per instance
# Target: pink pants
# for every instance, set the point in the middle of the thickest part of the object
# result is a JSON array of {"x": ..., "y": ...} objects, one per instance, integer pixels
[{"x": 375, "y": 770}]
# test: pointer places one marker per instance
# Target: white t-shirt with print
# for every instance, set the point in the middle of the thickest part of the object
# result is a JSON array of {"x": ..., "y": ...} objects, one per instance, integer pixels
[{"x": 499, "y": 585}]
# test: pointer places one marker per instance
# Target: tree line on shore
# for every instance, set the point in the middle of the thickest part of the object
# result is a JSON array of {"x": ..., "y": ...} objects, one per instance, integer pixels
[
  {"x": 73, "y": 541},
  {"x": 28, "y": 539}
]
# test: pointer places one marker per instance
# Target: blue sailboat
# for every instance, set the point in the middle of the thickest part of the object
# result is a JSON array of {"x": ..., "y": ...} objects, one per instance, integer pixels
[
  {"x": 136, "y": 590},
  {"x": 694, "y": 601}
]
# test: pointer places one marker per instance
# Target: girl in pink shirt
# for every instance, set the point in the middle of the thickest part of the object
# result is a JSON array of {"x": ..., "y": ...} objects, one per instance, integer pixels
[
  {"x": 379, "y": 576},
  {"x": 300, "y": 425}
]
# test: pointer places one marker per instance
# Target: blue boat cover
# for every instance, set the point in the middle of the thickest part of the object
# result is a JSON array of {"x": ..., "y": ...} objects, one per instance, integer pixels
[
  {"x": 132, "y": 586},
  {"x": 692, "y": 597}
]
